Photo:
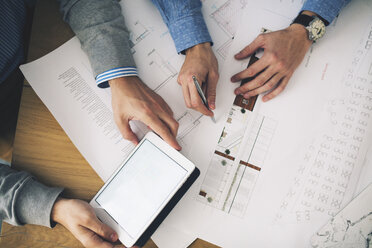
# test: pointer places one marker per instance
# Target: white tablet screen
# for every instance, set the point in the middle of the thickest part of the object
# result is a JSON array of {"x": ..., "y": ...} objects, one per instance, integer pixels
[{"x": 139, "y": 189}]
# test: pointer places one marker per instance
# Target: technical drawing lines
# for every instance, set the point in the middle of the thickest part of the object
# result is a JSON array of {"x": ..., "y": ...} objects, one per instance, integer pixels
[{"x": 225, "y": 15}]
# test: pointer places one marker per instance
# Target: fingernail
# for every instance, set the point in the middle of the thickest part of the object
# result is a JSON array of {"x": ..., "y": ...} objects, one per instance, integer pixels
[
  {"x": 113, "y": 237},
  {"x": 232, "y": 79},
  {"x": 212, "y": 106},
  {"x": 237, "y": 92}
]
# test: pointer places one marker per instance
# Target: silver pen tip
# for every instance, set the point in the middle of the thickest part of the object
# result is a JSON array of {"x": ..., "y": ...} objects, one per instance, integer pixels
[{"x": 213, "y": 119}]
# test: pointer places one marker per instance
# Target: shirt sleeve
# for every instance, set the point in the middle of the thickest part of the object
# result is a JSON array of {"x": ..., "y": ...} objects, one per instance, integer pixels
[
  {"x": 24, "y": 200},
  {"x": 185, "y": 22},
  {"x": 328, "y": 10},
  {"x": 101, "y": 29}
]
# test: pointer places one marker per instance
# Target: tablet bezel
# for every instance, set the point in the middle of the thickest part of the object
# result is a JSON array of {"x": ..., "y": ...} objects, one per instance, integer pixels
[{"x": 105, "y": 217}]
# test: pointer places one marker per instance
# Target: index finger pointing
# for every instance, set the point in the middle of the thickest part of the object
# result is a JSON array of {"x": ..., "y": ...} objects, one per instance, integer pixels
[{"x": 162, "y": 130}]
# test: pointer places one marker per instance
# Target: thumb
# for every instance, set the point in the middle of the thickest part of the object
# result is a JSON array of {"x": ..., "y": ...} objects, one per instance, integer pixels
[
  {"x": 250, "y": 49},
  {"x": 211, "y": 89},
  {"x": 125, "y": 130},
  {"x": 103, "y": 230}
]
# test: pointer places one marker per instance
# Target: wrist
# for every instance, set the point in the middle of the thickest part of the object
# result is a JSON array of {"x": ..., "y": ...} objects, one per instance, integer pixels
[
  {"x": 300, "y": 31},
  {"x": 308, "y": 13},
  {"x": 58, "y": 209},
  {"x": 120, "y": 81},
  {"x": 198, "y": 48}
]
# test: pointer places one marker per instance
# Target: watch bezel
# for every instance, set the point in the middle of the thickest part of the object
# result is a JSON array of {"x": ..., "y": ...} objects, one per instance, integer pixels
[{"x": 316, "y": 23}]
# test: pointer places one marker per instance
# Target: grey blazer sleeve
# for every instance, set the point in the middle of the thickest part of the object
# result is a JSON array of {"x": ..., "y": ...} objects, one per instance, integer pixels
[
  {"x": 100, "y": 27},
  {"x": 24, "y": 200}
]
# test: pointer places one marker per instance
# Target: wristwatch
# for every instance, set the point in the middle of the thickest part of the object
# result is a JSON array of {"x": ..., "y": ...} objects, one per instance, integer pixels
[{"x": 314, "y": 25}]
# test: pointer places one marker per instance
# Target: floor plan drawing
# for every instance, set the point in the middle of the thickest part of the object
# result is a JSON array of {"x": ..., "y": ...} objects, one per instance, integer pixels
[
  {"x": 238, "y": 157},
  {"x": 157, "y": 60},
  {"x": 331, "y": 163},
  {"x": 225, "y": 15}
]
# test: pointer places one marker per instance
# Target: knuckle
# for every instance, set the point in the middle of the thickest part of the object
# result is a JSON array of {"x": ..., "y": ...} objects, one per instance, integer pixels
[
  {"x": 261, "y": 38},
  {"x": 250, "y": 73},
  {"x": 179, "y": 81},
  {"x": 126, "y": 135},
  {"x": 271, "y": 84},
  {"x": 273, "y": 57},
  {"x": 281, "y": 65},
  {"x": 194, "y": 104},
  {"x": 214, "y": 75},
  {"x": 146, "y": 110},
  {"x": 176, "y": 124},
  {"x": 85, "y": 219},
  {"x": 261, "y": 81}
]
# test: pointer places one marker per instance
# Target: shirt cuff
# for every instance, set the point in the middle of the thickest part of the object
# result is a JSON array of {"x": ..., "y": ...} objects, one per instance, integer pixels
[
  {"x": 189, "y": 31},
  {"x": 328, "y": 10},
  {"x": 103, "y": 78}
]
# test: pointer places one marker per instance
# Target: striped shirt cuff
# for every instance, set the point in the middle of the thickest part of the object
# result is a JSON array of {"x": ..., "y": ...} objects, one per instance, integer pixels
[{"x": 103, "y": 78}]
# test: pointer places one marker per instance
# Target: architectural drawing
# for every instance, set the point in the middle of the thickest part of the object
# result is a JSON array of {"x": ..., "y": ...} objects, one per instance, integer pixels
[
  {"x": 352, "y": 227},
  {"x": 225, "y": 15},
  {"x": 238, "y": 157},
  {"x": 325, "y": 174}
]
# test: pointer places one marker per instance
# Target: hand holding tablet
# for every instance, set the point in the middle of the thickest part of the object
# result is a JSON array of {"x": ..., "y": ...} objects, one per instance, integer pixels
[{"x": 141, "y": 193}]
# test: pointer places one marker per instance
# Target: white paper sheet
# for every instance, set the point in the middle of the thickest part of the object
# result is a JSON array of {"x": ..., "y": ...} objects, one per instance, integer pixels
[
  {"x": 311, "y": 115},
  {"x": 352, "y": 227},
  {"x": 64, "y": 82}
]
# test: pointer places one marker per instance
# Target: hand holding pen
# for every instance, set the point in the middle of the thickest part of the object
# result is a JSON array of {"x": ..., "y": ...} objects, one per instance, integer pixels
[
  {"x": 202, "y": 96},
  {"x": 200, "y": 62}
]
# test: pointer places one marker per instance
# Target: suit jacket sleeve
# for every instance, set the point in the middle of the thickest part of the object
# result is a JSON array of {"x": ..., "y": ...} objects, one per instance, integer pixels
[
  {"x": 100, "y": 27},
  {"x": 24, "y": 200}
]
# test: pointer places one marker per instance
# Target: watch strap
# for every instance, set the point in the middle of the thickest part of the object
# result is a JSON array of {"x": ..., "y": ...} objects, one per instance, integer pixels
[{"x": 303, "y": 20}]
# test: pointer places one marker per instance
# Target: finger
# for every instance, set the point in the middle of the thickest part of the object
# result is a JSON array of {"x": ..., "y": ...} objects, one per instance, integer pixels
[
  {"x": 269, "y": 85},
  {"x": 252, "y": 70},
  {"x": 162, "y": 130},
  {"x": 196, "y": 102},
  {"x": 204, "y": 88},
  {"x": 90, "y": 239},
  {"x": 277, "y": 90},
  {"x": 257, "y": 82},
  {"x": 211, "y": 89},
  {"x": 251, "y": 48},
  {"x": 164, "y": 105},
  {"x": 126, "y": 131},
  {"x": 170, "y": 122},
  {"x": 103, "y": 230},
  {"x": 186, "y": 95}
]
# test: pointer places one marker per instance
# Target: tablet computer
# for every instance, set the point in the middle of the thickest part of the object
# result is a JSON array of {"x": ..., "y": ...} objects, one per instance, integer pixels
[{"x": 143, "y": 190}]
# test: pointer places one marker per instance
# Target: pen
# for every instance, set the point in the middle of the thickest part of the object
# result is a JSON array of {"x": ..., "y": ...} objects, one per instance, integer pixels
[{"x": 202, "y": 96}]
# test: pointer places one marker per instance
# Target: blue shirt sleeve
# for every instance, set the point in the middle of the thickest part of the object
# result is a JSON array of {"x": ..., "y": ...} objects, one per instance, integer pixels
[
  {"x": 327, "y": 9},
  {"x": 185, "y": 22}
]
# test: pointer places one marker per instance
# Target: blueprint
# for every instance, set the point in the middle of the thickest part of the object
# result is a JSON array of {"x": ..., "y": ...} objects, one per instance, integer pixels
[
  {"x": 64, "y": 81},
  {"x": 351, "y": 227},
  {"x": 317, "y": 141},
  {"x": 156, "y": 57},
  {"x": 267, "y": 169}
]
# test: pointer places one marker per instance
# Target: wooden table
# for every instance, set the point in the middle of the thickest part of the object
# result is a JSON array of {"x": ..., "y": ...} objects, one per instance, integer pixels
[{"x": 42, "y": 148}]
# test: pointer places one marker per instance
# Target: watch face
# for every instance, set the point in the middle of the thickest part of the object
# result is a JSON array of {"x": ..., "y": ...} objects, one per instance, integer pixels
[{"x": 317, "y": 29}]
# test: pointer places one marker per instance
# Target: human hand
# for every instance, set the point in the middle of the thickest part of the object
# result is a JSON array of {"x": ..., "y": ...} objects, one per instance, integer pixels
[
  {"x": 200, "y": 62},
  {"x": 79, "y": 218},
  {"x": 283, "y": 52},
  {"x": 133, "y": 100}
]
